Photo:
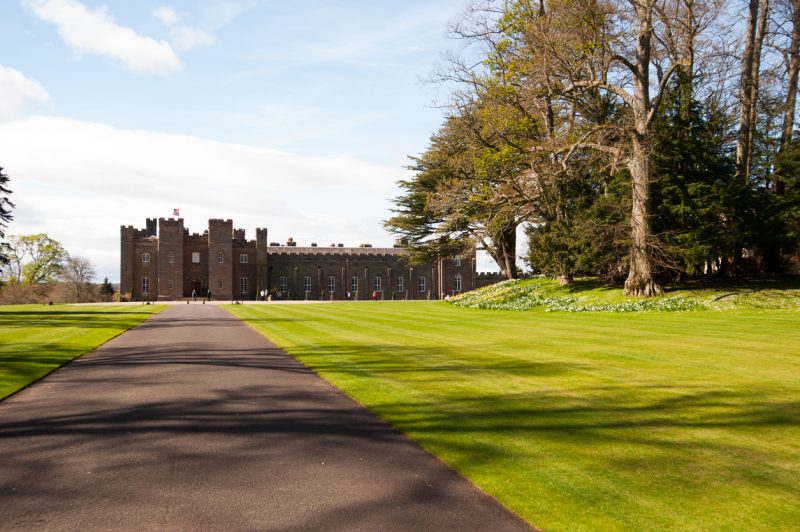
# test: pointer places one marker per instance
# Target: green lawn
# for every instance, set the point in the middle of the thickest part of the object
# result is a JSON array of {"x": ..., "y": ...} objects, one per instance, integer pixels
[
  {"x": 659, "y": 420},
  {"x": 36, "y": 339}
]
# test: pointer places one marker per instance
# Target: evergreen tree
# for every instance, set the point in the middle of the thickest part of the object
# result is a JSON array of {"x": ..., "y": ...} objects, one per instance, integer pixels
[
  {"x": 5, "y": 216},
  {"x": 107, "y": 289},
  {"x": 697, "y": 199}
]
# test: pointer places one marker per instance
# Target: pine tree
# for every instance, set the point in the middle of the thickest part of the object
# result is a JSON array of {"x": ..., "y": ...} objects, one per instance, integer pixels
[
  {"x": 5, "y": 216},
  {"x": 107, "y": 289}
]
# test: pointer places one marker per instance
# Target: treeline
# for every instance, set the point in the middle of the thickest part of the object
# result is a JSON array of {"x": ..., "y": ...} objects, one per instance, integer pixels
[
  {"x": 37, "y": 269},
  {"x": 640, "y": 141}
]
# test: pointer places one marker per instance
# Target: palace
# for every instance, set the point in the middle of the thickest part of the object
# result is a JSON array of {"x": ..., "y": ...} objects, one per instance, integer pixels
[{"x": 164, "y": 261}]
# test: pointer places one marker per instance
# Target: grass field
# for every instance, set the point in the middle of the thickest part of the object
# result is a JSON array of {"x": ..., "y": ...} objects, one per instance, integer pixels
[
  {"x": 36, "y": 339},
  {"x": 656, "y": 420}
]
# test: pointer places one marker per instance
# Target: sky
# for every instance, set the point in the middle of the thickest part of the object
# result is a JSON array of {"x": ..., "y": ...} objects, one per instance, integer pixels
[{"x": 294, "y": 116}]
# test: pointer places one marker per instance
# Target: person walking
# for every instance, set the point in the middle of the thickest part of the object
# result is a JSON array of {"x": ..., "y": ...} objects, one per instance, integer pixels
[
  {"x": 209, "y": 294},
  {"x": 194, "y": 295},
  {"x": 374, "y": 295}
]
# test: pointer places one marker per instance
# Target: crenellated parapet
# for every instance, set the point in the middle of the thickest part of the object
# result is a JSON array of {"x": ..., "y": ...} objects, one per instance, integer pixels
[{"x": 350, "y": 251}]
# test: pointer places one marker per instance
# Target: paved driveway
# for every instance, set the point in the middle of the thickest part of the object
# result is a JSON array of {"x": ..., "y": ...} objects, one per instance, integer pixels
[{"x": 194, "y": 421}]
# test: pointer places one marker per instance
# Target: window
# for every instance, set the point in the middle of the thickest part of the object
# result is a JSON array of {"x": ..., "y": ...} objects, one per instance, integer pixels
[
  {"x": 243, "y": 285},
  {"x": 219, "y": 284},
  {"x": 195, "y": 257},
  {"x": 354, "y": 284},
  {"x": 401, "y": 285},
  {"x": 221, "y": 257},
  {"x": 145, "y": 257},
  {"x": 145, "y": 285},
  {"x": 457, "y": 283},
  {"x": 171, "y": 284},
  {"x": 243, "y": 258},
  {"x": 422, "y": 283},
  {"x": 331, "y": 284},
  {"x": 377, "y": 285},
  {"x": 457, "y": 260},
  {"x": 171, "y": 258},
  {"x": 284, "y": 283},
  {"x": 307, "y": 283}
]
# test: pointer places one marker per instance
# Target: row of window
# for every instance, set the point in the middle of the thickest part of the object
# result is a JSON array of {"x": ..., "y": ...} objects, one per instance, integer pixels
[
  {"x": 244, "y": 284},
  {"x": 377, "y": 284},
  {"x": 243, "y": 257}
]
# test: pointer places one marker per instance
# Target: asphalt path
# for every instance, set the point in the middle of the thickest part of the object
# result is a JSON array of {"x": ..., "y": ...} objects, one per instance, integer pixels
[{"x": 194, "y": 421}]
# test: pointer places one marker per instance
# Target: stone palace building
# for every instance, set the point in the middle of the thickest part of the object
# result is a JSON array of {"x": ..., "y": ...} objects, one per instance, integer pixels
[{"x": 164, "y": 261}]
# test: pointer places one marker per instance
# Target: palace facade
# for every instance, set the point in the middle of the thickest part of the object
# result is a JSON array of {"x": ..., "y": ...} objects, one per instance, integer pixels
[{"x": 164, "y": 261}]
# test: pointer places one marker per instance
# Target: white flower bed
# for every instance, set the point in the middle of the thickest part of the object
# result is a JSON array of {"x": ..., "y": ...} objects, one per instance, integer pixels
[{"x": 513, "y": 295}]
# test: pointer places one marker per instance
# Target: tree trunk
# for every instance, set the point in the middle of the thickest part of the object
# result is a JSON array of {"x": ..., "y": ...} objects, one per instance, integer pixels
[
  {"x": 564, "y": 278},
  {"x": 791, "y": 90},
  {"x": 640, "y": 280},
  {"x": 686, "y": 70},
  {"x": 507, "y": 251},
  {"x": 746, "y": 99}
]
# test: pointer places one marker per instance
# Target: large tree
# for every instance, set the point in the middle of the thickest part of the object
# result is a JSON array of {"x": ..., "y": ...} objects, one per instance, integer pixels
[
  {"x": 78, "y": 272},
  {"x": 37, "y": 258}
]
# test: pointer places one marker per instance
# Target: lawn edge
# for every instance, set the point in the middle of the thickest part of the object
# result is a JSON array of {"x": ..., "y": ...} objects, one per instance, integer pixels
[
  {"x": 385, "y": 421},
  {"x": 73, "y": 359}
]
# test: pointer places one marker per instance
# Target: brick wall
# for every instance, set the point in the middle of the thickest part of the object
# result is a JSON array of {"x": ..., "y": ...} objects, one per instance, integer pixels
[{"x": 220, "y": 258}]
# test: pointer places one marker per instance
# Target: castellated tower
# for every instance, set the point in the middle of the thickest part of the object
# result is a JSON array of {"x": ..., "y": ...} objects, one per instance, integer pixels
[
  {"x": 262, "y": 251},
  {"x": 220, "y": 258},
  {"x": 170, "y": 258},
  {"x": 139, "y": 251}
]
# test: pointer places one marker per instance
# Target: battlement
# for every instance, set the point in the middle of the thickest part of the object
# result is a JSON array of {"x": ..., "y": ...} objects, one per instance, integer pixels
[
  {"x": 238, "y": 235},
  {"x": 172, "y": 222},
  {"x": 129, "y": 232},
  {"x": 316, "y": 251}
]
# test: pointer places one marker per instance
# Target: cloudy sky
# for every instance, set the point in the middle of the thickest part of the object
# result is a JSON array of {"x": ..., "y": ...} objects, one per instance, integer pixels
[{"x": 295, "y": 116}]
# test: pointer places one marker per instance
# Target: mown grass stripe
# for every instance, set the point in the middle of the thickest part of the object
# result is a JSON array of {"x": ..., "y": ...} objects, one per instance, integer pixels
[{"x": 579, "y": 421}]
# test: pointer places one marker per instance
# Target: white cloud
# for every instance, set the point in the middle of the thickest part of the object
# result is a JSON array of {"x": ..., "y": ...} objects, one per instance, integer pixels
[
  {"x": 96, "y": 177},
  {"x": 183, "y": 37},
  {"x": 95, "y": 32},
  {"x": 166, "y": 15},
  {"x": 19, "y": 93}
]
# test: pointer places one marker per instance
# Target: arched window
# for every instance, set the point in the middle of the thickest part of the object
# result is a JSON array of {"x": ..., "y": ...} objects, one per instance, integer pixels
[
  {"x": 171, "y": 257},
  {"x": 331, "y": 284},
  {"x": 457, "y": 283},
  {"x": 354, "y": 284},
  {"x": 307, "y": 283},
  {"x": 377, "y": 285},
  {"x": 243, "y": 285},
  {"x": 401, "y": 285},
  {"x": 423, "y": 285},
  {"x": 221, "y": 257}
]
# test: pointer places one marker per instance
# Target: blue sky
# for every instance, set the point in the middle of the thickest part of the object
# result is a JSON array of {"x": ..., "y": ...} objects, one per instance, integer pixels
[{"x": 296, "y": 116}]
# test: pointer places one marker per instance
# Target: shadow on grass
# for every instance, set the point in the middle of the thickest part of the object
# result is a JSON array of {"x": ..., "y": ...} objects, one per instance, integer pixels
[
  {"x": 252, "y": 424},
  {"x": 380, "y": 359},
  {"x": 69, "y": 318}
]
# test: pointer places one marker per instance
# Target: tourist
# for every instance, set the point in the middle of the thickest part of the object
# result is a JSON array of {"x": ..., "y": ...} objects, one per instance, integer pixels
[{"x": 194, "y": 295}]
